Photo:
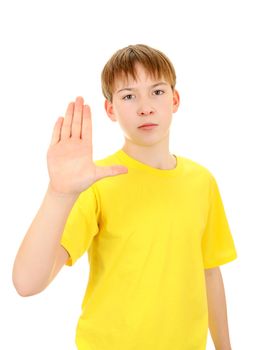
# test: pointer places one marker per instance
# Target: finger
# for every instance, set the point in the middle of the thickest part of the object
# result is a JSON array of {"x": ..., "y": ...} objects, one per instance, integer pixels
[
  {"x": 112, "y": 170},
  {"x": 77, "y": 118},
  {"x": 66, "y": 126},
  {"x": 86, "y": 133},
  {"x": 56, "y": 131}
]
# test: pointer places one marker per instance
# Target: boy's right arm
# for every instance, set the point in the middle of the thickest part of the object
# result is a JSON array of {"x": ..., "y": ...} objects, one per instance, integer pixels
[
  {"x": 71, "y": 170},
  {"x": 40, "y": 255}
]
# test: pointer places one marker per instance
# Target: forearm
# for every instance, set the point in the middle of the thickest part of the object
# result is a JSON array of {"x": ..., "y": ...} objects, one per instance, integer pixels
[
  {"x": 36, "y": 256},
  {"x": 217, "y": 309}
]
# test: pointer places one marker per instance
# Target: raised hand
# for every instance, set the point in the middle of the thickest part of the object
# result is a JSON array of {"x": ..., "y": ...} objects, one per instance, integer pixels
[{"x": 69, "y": 157}]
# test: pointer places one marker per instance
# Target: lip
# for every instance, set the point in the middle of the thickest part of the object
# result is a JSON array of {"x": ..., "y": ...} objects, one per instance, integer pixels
[{"x": 147, "y": 125}]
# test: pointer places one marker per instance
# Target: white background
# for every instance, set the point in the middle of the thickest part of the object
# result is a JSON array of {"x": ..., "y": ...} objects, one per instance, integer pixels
[{"x": 53, "y": 51}]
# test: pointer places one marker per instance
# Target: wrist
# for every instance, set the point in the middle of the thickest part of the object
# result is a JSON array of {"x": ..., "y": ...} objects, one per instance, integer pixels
[
  {"x": 59, "y": 200},
  {"x": 56, "y": 194}
]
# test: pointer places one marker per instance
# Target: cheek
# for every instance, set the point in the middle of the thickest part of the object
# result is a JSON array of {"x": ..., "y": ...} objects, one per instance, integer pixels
[
  {"x": 125, "y": 119},
  {"x": 124, "y": 123},
  {"x": 125, "y": 114},
  {"x": 166, "y": 108}
]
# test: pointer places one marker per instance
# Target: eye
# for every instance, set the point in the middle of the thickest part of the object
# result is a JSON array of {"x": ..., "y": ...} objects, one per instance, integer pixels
[
  {"x": 127, "y": 97},
  {"x": 159, "y": 92}
]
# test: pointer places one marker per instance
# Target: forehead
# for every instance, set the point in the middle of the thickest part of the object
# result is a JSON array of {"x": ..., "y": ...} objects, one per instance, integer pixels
[{"x": 140, "y": 76}]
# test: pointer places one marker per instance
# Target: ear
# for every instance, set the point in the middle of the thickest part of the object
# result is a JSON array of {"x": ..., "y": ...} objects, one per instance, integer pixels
[
  {"x": 176, "y": 101},
  {"x": 110, "y": 110}
]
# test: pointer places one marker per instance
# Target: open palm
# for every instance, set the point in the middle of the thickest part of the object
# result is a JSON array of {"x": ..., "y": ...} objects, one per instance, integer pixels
[{"x": 70, "y": 154}]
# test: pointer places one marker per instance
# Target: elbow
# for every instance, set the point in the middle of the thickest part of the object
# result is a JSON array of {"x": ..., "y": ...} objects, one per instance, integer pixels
[
  {"x": 23, "y": 290},
  {"x": 23, "y": 287}
]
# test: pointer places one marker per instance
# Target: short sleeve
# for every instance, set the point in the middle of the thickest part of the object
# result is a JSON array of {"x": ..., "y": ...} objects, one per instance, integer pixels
[
  {"x": 217, "y": 242},
  {"x": 81, "y": 225}
]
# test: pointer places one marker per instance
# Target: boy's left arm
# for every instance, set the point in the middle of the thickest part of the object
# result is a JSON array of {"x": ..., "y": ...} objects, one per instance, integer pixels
[{"x": 217, "y": 310}]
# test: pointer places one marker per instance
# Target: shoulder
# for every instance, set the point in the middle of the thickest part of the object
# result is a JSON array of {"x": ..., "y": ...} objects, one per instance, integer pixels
[
  {"x": 199, "y": 176},
  {"x": 196, "y": 168}
]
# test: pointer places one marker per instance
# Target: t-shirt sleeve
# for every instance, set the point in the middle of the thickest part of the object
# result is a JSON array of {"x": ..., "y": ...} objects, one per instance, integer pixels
[
  {"x": 217, "y": 242},
  {"x": 81, "y": 225}
]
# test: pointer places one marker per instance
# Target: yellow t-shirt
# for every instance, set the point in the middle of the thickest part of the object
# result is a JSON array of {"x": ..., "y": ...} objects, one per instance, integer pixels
[{"x": 149, "y": 235}]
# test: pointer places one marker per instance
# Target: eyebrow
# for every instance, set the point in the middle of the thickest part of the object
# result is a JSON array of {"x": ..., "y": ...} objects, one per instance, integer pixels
[{"x": 131, "y": 89}]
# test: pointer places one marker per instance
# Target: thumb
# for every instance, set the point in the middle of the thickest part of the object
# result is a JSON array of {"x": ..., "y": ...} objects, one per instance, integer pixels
[{"x": 112, "y": 170}]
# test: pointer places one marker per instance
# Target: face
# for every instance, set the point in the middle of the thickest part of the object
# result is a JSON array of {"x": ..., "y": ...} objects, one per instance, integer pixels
[{"x": 143, "y": 101}]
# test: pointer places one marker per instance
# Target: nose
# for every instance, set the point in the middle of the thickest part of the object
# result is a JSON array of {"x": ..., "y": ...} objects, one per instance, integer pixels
[
  {"x": 145, "y": 105},
  {"x": 145, "y": 110}
]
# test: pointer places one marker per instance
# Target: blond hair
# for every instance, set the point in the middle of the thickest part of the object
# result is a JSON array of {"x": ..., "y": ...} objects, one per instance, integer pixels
[{"x": 123, "y": 62}]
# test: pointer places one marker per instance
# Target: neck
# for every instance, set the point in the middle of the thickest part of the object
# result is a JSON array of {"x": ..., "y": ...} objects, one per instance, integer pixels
[{"x": 157, "y": 155}]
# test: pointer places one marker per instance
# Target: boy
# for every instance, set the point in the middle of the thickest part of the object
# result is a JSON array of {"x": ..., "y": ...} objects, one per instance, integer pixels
[{"x": 153, "y": 223}]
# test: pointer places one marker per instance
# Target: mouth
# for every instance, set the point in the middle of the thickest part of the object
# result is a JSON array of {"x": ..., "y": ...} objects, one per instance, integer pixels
[{"x": 147, "y": 125}]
